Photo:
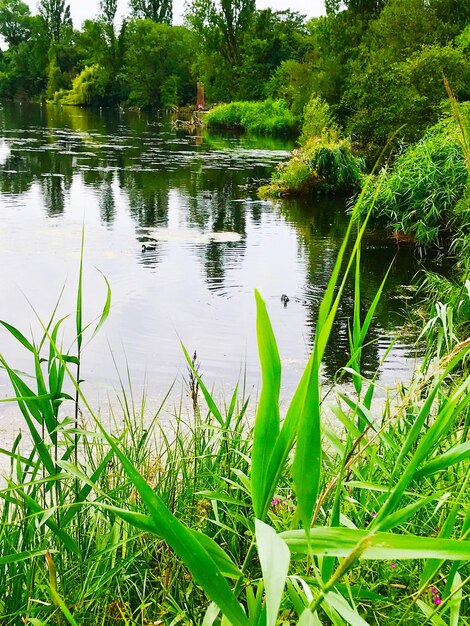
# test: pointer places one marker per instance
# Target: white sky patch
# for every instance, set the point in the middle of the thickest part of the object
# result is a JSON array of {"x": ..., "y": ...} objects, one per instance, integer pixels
[{"x": 88, "y": 9}]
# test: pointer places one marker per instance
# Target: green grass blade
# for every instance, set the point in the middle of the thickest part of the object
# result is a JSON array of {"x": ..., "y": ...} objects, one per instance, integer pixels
[
  {"x": 274, "y": 558},
  {"x": 457, "y": 454},
  {"x": 18, "y": 336},
  {"x": 106, "y": 308},
  {"x": 306, "y": 468},
  {"x": 35, "y": 508},
  {"x": 189, "y": 549},
  {"x": 308, "y": 618},
  {"x": 58, "y": 601},
  {"x": 267, "y": 421},
  {"x": 341, "y": 606},
  {"x": 340, "y": 542},
  {"x": 18, "y": 557},
  {"x": 79, "y": 310}
]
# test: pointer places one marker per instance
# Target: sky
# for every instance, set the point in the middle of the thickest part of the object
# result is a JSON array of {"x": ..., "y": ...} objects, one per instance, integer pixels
[{"x": 88, "y": 9}]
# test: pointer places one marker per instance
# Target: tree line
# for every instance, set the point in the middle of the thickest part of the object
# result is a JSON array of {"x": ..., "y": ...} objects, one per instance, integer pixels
[{"x": 377, "y": 63}]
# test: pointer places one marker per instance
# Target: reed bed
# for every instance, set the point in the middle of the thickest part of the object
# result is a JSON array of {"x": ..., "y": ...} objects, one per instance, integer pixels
[
  {"x": 269, "y": 117},
  {"x": 221, "y": 521}
]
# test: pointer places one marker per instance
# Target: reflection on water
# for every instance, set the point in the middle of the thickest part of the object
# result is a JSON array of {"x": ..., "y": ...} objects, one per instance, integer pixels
[{"x": 132, "y": 180}]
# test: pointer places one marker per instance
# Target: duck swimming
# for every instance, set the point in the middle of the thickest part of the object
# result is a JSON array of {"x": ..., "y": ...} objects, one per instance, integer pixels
[{"x": 149, "y": 247}]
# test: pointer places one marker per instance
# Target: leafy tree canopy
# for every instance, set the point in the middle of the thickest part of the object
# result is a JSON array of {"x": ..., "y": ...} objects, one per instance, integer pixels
[
  {"x": 56, "y": 15},
  {"x": 15, "y": 21},
  {"x": 157, "y": 10}
]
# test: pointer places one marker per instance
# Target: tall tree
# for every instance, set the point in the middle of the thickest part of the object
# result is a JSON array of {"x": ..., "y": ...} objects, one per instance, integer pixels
[
  {"x": 369, "y": 8},
  {"x": 14, "y": 21},
  {"x": 222, "y": 24},
  {"x": 56, "y": 14},
  {"x": 160, "y": 11},
  {"x": 108, "y": 10}
]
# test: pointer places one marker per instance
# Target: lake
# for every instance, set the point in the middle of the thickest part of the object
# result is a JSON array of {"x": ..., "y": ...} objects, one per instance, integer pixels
[{"x": 131, "y": 179}]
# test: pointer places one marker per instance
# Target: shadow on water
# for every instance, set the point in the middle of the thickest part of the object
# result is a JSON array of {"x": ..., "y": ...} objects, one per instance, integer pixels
[{"x": 135, "y": 180}]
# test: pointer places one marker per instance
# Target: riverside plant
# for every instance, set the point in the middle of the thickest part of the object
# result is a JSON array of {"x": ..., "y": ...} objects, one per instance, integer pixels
[
  {"x": 218, "y": 522},
  {"x": 269, "y": 117}
]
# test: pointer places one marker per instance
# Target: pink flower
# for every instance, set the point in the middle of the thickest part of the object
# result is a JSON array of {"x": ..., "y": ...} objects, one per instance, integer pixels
[
  {"x": 437, "y": 600},
  {"x": 374, "y": 514},
  {"x": 433, "y": 590},
  {"x": 275, "y": 501},
  {"x": 393, "y": 565}
]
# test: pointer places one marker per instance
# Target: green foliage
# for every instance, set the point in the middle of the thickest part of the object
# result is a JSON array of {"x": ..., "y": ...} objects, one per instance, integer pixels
[
  {"x": 420, "y": 194},
  {"x": 325, "y": 164},
  {"x": 23, "y": 68},
  {"x": 157, "y": 64},
  {"x": 291, "y": 81},
  {"x": 160, "y": 11},
  {"x": 56, "y": 15},
  {"x": 149, "y": 524},
  {"x": 317, "y": 120},
  {"x": 222, "y": 24},
  {"x": 15, "y": 21},
  {"x": 88, "y": 88},
  {"x": 54, "y": 76},
  {"x": 267, "y": 117}
]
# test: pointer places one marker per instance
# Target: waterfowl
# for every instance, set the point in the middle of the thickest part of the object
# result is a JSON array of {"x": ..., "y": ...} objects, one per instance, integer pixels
[
  {"x": 284, "y": 299},
  {"x": 148, "y": 247}
]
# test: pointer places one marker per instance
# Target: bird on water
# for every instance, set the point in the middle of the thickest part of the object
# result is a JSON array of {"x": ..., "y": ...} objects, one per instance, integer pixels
[{"x": 148, "y": 247}]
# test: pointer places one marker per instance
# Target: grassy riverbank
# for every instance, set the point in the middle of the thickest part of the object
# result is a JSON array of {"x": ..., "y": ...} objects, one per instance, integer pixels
[{"x": 145, "y": 525}]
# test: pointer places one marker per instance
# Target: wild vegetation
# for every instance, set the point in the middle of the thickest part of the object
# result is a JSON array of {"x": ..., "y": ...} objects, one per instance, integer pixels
[
  {"x": 269, "y": 117},
  {"x": 352, "y": 508},
  {"x": 219, "y": 521}
]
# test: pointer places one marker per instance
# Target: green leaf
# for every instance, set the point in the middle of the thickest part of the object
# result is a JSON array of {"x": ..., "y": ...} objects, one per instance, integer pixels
[
  {"x": 267, "y": 420},
  {"x": 17, "y": 557},
  {"x": 106, "y": 307},
  {"x": 339, "y": 604},
  {"x": 341, "y": 542},
  {"x": 455, "y": 601},
  {"x": 274, "y": 557},
  {"x": 17, "y": 335},
  {"x": 309, "y": 619},
  {"x": 62, "y": 606},
  {"x": 455, "y": 455},
  {"x": 431, "y": 614}
]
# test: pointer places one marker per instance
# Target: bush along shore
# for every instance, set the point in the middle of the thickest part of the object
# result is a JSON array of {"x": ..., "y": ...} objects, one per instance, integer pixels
[
  {"x": 269, "y": 117},
  {"x": 223, "y": 521}
]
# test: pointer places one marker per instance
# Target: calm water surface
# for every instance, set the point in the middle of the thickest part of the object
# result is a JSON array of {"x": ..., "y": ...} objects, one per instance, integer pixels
[{"x": 132, "y": 179}]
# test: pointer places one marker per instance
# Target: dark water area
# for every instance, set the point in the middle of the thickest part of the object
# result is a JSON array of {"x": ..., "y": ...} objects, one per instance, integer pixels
[{"x": 132, "y": 179}]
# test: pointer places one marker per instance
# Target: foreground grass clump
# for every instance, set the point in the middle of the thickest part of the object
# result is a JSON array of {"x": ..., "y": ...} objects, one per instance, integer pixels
[
  {"x": 220, "y": 522},
  {"x": 426, "y": 192},
  {"x": 325, "y": 164},
  {"x": 270, "y": 117}
]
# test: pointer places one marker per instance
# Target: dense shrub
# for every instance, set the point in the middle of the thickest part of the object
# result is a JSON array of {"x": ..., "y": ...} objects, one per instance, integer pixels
[
  {"x": 317, "y": 119},
  {"x": 423, "y": 193},
  {"x": 326, "y": 164}
]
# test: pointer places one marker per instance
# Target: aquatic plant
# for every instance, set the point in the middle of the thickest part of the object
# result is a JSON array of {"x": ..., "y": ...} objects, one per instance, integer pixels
[
  {"x": 263, "y": 118},
  {"x": 326, "y": 164}
]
